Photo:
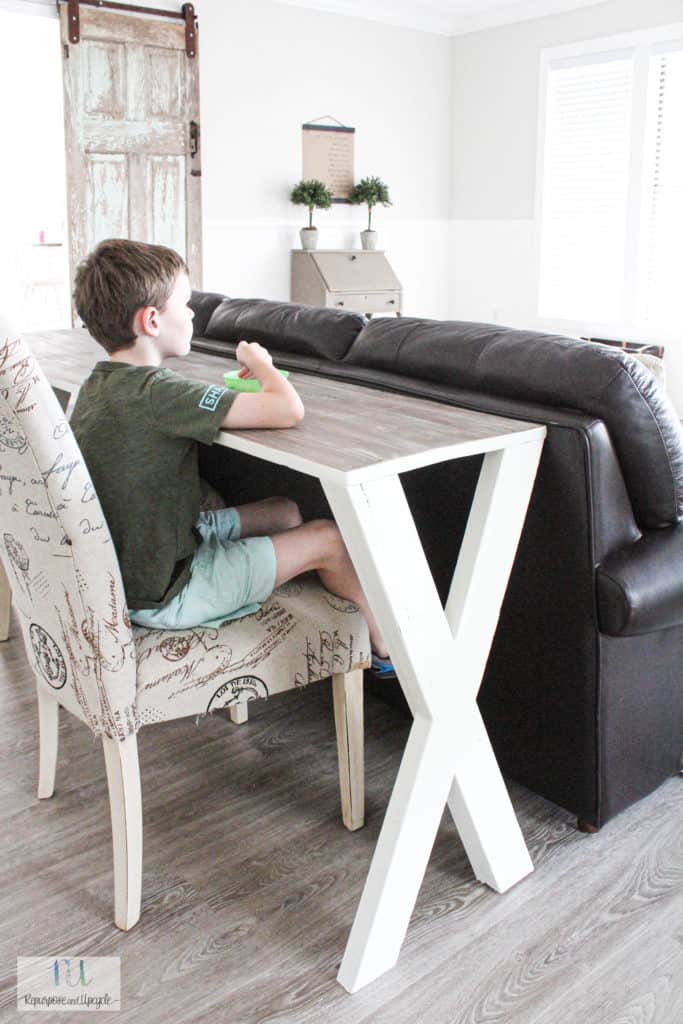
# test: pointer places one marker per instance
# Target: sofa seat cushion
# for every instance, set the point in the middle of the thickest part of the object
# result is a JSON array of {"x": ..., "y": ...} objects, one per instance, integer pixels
[
  {"x": 640, "y": 587},
  {"x": 556, "y": 371},
  {"x": 301, "y": 634},
  {"x": 308, "y": 330}
]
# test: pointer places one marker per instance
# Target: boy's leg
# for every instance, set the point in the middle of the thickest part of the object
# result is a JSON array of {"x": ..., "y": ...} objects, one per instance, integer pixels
[
  {"x": 319, "y": 545},
  {"x": 301, "y": 547},
  {"x": 263, "y": 518}
]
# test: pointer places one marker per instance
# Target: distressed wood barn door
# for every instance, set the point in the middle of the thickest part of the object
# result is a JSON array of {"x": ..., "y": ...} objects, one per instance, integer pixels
[{"x": 131, "y": 110}]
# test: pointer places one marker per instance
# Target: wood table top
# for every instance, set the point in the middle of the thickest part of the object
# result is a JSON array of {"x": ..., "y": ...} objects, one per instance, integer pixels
[{"x": 350, "y": 432}]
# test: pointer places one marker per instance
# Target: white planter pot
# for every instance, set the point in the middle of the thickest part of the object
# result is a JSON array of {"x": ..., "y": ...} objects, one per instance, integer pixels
[
  {"x": 309, "y": 238},
  {"x": 368, "y": 239}
]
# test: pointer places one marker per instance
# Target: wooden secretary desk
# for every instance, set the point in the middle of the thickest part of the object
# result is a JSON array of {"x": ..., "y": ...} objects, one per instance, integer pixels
[{"x": 360, "y": 280}]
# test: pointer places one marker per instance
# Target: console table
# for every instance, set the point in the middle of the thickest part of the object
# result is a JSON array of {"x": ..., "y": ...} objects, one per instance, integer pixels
[
  {"x": 357, "y": 279},
  {"x": 440, "y": 653}
]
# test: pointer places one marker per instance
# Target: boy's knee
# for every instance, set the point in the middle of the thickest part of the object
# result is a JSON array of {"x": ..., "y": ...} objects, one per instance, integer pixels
[
  {"x": 292, "y": 513},
  {"x": 288, "y": 512}
]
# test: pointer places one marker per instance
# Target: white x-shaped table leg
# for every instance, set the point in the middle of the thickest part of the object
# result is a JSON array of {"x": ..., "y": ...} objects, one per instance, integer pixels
[{"x": 440, "y": 656}]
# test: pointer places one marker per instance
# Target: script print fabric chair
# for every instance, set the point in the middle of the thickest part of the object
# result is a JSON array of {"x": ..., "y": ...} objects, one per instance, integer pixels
[{"x": 60, "y": 565}]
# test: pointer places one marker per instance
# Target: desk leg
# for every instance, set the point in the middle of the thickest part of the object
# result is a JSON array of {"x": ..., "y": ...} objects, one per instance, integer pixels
[
  {"x": 448, "y": 750},
  {"x": 480, "y": 579}
]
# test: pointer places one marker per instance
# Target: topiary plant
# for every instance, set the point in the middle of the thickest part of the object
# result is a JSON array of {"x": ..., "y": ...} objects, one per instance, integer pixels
[
  {"x": 372, "y": 191},
  {"x": 313, "y": 194}
]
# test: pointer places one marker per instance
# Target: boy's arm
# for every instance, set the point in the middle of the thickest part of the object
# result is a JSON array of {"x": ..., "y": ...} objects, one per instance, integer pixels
[{"x": 276, "y": 405}]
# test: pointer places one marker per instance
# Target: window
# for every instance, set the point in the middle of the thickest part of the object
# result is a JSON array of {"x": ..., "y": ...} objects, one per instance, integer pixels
[
  {"x": 610, "y": 197},
  {"x": 660, "y": 264}
]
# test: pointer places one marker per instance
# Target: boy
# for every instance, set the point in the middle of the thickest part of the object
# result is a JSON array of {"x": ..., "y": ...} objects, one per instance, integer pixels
[{"x": 138, "y": 425}]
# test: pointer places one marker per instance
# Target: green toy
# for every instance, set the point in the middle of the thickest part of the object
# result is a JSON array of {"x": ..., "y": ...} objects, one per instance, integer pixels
[{"x": 236, "y": 383}]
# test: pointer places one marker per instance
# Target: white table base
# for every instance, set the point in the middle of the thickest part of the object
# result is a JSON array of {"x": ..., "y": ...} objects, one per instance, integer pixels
[{"x": 440, "y": 656}]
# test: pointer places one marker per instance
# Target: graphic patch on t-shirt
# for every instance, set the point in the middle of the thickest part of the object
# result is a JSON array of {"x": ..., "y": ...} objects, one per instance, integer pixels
[{"x": 210, "y": 398}]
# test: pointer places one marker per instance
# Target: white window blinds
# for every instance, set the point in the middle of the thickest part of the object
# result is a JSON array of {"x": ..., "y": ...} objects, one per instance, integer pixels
[
  {"x": 660, "y": 266},
  {"x": 610, "y": 185},
  {"x": 585, "y": 187}
]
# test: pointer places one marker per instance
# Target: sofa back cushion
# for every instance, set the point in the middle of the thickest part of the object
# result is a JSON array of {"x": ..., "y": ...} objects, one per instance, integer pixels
[
  {"x": 286, "y": 326},
  {"x": 202, "y": 305},
  {"x": 554, "y": 370}
]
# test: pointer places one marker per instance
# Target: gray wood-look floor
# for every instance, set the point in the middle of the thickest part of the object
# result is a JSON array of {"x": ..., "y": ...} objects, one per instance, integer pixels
[{"x": 251, "y": 882}]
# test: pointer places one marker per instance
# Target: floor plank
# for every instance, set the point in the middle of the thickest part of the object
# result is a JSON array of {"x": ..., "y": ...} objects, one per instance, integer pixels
[{"x": 251, "y": 882}]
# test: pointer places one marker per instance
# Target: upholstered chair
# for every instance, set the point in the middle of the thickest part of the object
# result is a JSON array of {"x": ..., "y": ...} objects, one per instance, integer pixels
[{"x": 59, "y": 564}]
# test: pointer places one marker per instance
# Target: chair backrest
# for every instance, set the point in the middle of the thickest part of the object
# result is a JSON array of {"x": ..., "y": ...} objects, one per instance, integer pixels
[{"x": 58, "y": 554}]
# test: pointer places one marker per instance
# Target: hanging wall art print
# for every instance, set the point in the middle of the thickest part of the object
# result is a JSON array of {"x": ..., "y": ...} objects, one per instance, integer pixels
[{"x": 327, "y": 152}]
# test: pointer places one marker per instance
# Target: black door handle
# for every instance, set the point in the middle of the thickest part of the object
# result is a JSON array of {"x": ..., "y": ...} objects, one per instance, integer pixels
[{"x": 194, "y": 138}]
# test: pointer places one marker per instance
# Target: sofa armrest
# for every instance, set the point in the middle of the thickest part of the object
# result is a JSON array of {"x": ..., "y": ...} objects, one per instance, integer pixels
[{"x": 640, "y": 587}]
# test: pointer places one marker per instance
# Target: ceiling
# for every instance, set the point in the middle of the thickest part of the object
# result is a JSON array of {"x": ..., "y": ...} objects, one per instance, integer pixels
[{"x": 448, "y": 17}]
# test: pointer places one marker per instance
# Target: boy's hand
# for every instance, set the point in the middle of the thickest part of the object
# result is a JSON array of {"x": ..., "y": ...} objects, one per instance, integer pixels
[
  {"x": 253, "y": 359},
  {"x": 256, "y": 361}
]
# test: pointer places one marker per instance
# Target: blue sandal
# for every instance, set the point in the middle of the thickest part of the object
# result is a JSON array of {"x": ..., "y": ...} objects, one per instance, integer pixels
[{"x": 383, "y": 667}]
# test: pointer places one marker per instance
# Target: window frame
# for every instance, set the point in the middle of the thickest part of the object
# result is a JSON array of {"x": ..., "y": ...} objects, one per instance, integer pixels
[{"x": 644, "y": 43}]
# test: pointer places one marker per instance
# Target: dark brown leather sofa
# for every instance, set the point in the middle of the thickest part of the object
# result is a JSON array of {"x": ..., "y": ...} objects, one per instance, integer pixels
[{"x": 583, "y": 691}]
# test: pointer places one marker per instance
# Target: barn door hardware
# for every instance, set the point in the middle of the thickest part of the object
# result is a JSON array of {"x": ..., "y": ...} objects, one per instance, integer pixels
[
  {"x": 194, "y": 145},
  {"x": 194, "y": 138},
  {"x": 74, "y": 21},
  {"x": 187, "y": 15},
  {"x": 190, "y": 30}
]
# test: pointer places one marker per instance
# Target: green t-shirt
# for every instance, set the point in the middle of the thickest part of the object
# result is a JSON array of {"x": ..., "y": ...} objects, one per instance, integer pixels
[{"x": 138, "y": 428}]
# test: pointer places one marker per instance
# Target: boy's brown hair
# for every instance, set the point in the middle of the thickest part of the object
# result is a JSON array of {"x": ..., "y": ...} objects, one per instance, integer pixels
[{"x": 118, "y": 278}]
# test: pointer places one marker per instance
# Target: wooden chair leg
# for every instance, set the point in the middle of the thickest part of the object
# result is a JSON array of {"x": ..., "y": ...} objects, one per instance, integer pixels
[
  {"x": 347, "y": 691},
  {"x": 239, "y": 713},
  {"x": 48, "y": 741},
  {"x": 125, "y": 801},
  {"x": 5, "y": 603}
]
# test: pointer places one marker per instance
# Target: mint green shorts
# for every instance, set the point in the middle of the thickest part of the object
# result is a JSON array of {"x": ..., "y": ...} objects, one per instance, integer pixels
[{"x": 229, "y": 577}]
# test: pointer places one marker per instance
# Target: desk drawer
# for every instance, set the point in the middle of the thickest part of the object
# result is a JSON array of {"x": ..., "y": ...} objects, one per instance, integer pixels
[{"x": 365, "y": 302}]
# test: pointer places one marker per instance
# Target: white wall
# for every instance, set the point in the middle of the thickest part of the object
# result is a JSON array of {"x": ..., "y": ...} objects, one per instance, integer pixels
[
  {"x": 32, "y": 174},
  {"x": 495, "y": 81},
  {"x": 265, "y": 69}
]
